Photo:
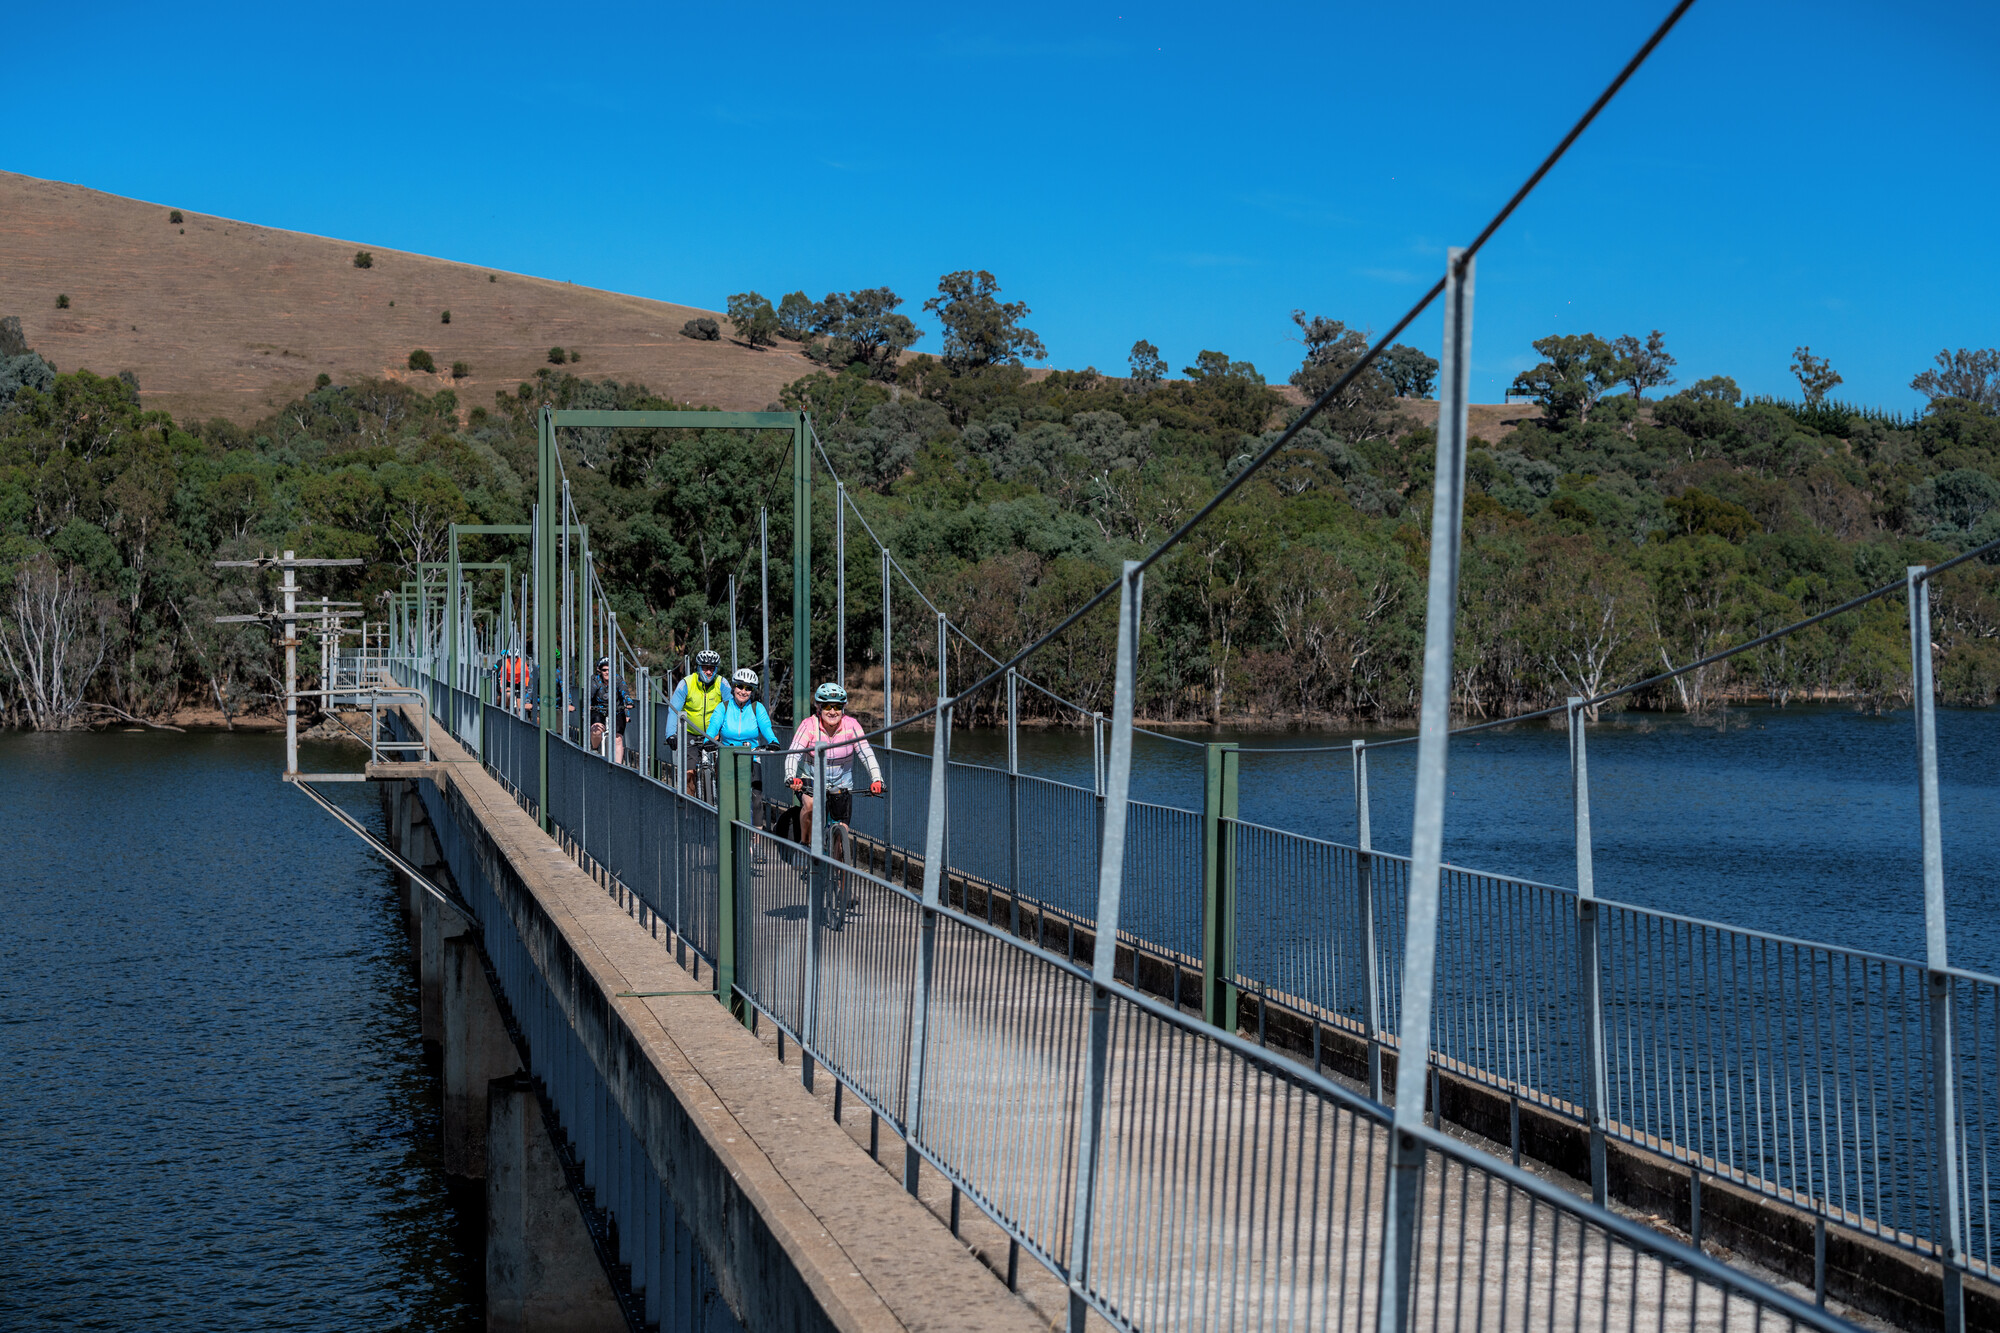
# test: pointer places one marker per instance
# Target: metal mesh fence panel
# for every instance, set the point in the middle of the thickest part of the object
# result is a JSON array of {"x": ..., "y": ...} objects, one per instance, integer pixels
[
  {"x": 1004, "y": 1051},
  {"x": 1975, "y": 1009},
  {"x": 1785, "y": 1067},
  {"x": 1497, "y": 1248},
  {"x": 1230, "y": 1194},
  {"x": 832, "y": 957},
  {"x": 1061, "y": 841},
  {"x": 1161, "y": 909}
]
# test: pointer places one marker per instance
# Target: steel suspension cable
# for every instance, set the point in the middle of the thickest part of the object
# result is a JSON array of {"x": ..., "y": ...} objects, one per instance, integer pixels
[{"x": 1361, "y": 366}]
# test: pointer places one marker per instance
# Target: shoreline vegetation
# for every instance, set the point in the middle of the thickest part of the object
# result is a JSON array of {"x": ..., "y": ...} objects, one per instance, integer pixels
[{"x": 1630, "y": 527}]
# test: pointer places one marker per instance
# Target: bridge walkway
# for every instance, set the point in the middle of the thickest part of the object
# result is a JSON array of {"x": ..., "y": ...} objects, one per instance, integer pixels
[{"x": 801, "y": 1228}]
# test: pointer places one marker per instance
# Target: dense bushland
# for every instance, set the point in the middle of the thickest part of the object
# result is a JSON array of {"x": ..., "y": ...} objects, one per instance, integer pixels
[{"x": 1617, "y": 535}]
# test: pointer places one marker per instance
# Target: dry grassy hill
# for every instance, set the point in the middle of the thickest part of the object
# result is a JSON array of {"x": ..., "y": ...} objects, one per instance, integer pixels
[{"x": 221, "y": 318}]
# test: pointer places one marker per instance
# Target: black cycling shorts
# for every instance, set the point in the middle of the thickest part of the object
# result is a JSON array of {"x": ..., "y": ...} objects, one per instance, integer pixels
[{"x": 840, "y": 807}]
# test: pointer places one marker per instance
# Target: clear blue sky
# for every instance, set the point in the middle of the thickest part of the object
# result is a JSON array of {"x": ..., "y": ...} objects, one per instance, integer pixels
[{"x": 1782, "y": 172}]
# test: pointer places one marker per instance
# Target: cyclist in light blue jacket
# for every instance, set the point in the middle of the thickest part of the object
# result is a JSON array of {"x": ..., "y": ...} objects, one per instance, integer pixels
[{"x": 740, "y": 719}]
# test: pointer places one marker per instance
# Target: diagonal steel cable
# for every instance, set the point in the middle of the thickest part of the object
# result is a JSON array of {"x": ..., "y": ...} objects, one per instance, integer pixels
[{"x": 1353, "y": 372}]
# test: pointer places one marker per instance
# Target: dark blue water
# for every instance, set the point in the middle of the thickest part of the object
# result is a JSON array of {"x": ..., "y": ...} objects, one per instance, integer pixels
[
  {"x": 217, "y": 1112},
  {"x": 1798, "y": 821}
]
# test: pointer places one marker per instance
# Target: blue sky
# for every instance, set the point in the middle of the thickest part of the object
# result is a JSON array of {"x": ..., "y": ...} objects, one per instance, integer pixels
[{"x": 1783, "y": 172}]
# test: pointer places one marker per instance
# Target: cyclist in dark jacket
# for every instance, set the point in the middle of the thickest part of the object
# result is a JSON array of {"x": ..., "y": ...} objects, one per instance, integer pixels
[{"x": 600, "y": 709}]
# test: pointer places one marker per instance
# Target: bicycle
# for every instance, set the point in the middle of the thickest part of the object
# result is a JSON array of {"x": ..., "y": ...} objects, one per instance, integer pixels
[
  {"x": 701, "y": 774},
  {"x": 840, "y": 901}
]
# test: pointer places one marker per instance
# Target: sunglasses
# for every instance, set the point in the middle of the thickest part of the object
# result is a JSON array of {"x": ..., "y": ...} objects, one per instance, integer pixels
[{"x": 833, "y": 708}]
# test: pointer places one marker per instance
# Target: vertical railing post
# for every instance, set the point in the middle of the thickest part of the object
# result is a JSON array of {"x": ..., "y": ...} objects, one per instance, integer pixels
[
  {"x": 545, "y": 610},
  {"x": 1218, "y": 886},
  {"x": 840, "y": 582},
  {"x": 888, "y": 719},
  {"x": 888, "y": 658},
  {"x": 1013, "y": 802},
  {"x": 818, "y": 886},
  {"x": 944, "y": 720},
  {"x": 291, "y": 591},
  {"x": 1590, "y": 988},
  {"x": 801, "y": 571},
  {"x": 566, "y": 653},
  {"x": 1406, "y": 1150},
  {"x": 1097, "y": 773},
  {"x": 454, "y": 618},
  {"x": 1364, "y": 888},
  {"x": 1104, "y": 952},
  {"x": 933, "y": 898},
  {"x": 732, "y": 802},
  {"x": 683, "y": 761},
  {"x": 764, "y": 604},
  {"x": 614, "y": 734},
  {"x": 644, "y": 689},
  {"x": 734, "y": 664},
  {"x": 1944, "y": 1080}
]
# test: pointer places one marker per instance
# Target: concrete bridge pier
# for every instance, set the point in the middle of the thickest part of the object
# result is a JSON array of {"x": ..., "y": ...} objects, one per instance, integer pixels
[
  {"x": 477, "y": 1050},
  {"x": 542, "y": 1275},
  {"x": 542, "y": 1270}
]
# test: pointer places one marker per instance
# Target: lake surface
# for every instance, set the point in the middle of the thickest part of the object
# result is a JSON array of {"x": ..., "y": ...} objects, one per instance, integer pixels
[
  {"x": 218, "y": 1113},
  {"x": 1797, "y": 821}
]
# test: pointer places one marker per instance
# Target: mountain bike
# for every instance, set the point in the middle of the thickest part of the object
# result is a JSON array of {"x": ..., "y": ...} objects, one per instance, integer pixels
[{"x": 842, "y": 898}]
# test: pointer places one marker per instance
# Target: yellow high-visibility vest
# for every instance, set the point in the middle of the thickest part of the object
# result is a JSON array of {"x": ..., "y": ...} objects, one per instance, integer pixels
[{"x": 701, "y": 703}]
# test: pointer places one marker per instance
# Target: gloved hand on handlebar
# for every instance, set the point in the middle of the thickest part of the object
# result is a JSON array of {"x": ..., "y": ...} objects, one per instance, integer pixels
[
  {"x": 875, "y": 789},
  {"x": 797, "y": 784}
]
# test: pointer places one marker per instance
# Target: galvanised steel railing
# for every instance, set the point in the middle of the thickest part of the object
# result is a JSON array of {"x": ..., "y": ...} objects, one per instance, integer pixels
[
  {"x": 1037, "y": 841},
  {"x": 1797, "y": 1070},
  {"x": 1234, "y": 1187}
]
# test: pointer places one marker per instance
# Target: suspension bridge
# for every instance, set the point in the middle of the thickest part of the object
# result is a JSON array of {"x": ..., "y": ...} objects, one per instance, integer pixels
[{"x": 1126, "y": 1064}]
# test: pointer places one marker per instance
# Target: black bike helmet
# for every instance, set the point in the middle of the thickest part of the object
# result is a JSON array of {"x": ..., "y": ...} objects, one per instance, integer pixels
[{"x": 708, "y": 660}]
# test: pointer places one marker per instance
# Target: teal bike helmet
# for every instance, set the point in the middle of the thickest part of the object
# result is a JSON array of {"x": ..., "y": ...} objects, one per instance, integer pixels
[{"x": 830, "y": 693}]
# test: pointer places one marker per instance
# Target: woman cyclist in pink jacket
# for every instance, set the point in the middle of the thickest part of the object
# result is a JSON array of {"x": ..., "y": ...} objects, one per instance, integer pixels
[{"x": 829, "y": 722}]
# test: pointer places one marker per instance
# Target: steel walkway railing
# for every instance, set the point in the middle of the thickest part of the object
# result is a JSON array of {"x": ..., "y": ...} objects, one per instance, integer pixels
[{"x": 1236, "y": 1186}]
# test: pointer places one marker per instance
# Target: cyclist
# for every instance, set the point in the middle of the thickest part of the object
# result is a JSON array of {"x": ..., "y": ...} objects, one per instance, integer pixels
[
  {"x": 513, "y": 680},
  {"x": 700, "y": 694},
  {"x": 697, "y": 697},
  {"x": 600, "y": 709},
  {"x": 829, "y": 723},
  {"x": 742, "y": 720}
]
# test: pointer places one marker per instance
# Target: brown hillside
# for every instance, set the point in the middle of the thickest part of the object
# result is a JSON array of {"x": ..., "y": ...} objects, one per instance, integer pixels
[{"x": 228, "y": 319}]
